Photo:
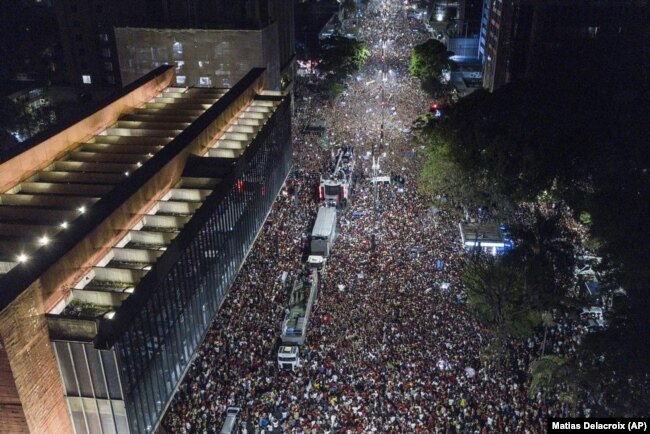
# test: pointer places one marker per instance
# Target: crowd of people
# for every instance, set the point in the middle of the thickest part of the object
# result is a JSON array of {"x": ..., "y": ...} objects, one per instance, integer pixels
[{"x": 391, "y": 344}]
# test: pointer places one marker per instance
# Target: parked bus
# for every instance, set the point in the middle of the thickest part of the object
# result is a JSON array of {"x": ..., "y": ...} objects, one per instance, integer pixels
[
  {"x": 302, "y": 298},
  {"x": 324, "y": 232}
]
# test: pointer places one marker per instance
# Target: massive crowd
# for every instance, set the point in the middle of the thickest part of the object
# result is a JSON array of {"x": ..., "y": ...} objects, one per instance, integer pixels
[{"x": 392, "y": 347}]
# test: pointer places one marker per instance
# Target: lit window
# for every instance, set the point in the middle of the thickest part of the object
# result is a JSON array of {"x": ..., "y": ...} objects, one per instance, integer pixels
[
  {"x": 181, "y": 79},
  {"x": 86, "y": 79},
  {"x": 177, "y": 47},
  {"x": 205, "y": 81}
]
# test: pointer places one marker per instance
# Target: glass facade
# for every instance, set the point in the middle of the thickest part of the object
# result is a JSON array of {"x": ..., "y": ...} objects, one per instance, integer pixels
[
  {"x": 92, "y": 387},
  {"x": 123, "y": 383},
  {"x": 155, "y": 349}
]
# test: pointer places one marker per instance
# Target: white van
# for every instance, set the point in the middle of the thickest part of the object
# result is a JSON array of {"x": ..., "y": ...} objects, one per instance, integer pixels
[{"x": 230, "y": 425}]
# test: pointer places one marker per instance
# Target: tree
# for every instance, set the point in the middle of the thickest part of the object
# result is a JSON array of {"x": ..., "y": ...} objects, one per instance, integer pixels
[
  {"x": 494, "y": 291},
  {"x": 449, "y": 170},
  {"x": 549, "y": 371},
  {"x": 545, "y": 254},
  {"x": 434, "y": 88},
  {"x": 342, "y": 56},
  {"x": 526, "y": 139},
  {"x": 335, "y": 88},
  {"x": 583, "y": 138},
  {"x": 429, "y": 59},
  {"x": 547, "y": 321},
  {"x": 443, "y": 176}
]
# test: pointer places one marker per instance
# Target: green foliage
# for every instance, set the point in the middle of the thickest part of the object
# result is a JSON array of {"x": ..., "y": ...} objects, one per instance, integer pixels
[
  {"x": 523, "y": 141},
  {"x": 591, "y": 243},
  {"x": 335, "y": 88},
  {"x": 444, "y": 173},
  {"x": 616, "y": 360},
  {"x": 342, "y": 56},
  {"x": 429, "y": 59},
  {"x": 434, "y": 88},
  {"x": 548, "y": 371},
  {"x": 441, "y": 175},
  {"x": 586, "y": 142},
  {"x": 495, "y": 292},
  {"x": 545, "y": 255}
]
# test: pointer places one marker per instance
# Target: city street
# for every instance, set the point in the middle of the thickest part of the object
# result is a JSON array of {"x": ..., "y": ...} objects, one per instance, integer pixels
[{"x": 391, "y": 346}]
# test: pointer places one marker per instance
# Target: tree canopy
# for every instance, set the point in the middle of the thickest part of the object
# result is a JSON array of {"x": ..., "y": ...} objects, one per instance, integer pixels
[
  {"x": 429, "y": 59},
  {"x": 573, "y": 143},
  {"x": 342, "y": 56},
  {"x": 495, "y": 291}
]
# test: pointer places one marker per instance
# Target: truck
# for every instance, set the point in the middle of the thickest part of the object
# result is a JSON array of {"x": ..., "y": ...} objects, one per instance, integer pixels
[
  {"x": 302, "y": 298},
  {"x": 323, "y": 233}
]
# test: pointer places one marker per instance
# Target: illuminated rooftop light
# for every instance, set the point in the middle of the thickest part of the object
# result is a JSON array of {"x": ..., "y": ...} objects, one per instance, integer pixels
[
  {"x": 81, "y": 209},
  {"x": 22, "y": 258},
  {"x": 138, "y": 164},
  {"x": 64, "y": 225},
  {"x": 109, "y": 315},
  {"x": 126, "y": 173},
  {"x": 44, "y": 240}
]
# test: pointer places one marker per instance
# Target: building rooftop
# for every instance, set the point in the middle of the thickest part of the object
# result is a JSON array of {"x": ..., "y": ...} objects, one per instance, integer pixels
[
  {"x": 60, "y": 189},
  {"x": 116, "y": 275},
  {"x": 43, "y": 207}
]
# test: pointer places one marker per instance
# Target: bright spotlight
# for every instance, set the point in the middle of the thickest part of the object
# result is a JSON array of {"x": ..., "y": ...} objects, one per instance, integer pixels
[
  {"x": 44, "y": 240},
  {"x": 81, "y": 209},
  {"x": 64, "y": 225},
  {"x": 22, "y": 258}
]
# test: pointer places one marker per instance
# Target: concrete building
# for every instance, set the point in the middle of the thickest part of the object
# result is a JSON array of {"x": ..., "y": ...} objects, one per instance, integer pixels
[
  {"x": 86, "y": 34},
  {"x": 120, "y": 235},
  {"x": 529, "y": 38},
  {"x": 204, "y": 58},
  {"x": 311, "y": 19},
  {"x": 89, "y": 40}
]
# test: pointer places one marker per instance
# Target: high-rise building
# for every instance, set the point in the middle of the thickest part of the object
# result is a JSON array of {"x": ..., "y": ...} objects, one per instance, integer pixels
[
  {"x": 529, "y": 38},
  {"x": 29, "y": 51},
  {"x": 86, "y": 33},
  {"x": 469, "y": 18},
  {"x": 94, "y": 56},
  {"x": 120, "y": 235}
]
